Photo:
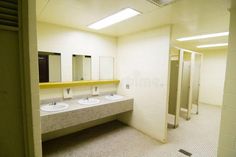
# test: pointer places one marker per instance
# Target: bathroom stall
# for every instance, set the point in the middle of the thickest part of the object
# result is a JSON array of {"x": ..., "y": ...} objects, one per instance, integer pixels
[{"x": 185, "y": 69}]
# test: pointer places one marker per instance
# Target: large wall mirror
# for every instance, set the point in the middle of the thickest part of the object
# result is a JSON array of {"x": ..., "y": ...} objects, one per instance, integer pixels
[
  {"x": 81, "y": 67},
  {"x": 49, "y": 67},
  {"x": 106, "y": 68}
]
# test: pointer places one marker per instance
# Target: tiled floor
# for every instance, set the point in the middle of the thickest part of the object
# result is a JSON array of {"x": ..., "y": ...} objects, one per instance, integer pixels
[{"x": 198, "y": 136}]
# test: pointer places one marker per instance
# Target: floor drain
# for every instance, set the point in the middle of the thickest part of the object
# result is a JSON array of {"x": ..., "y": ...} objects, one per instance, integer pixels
[{"x": 185, "y": 152}]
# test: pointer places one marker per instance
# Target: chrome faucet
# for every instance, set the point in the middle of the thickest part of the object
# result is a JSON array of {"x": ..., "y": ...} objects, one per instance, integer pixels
[{"x": 53, "y": 103}]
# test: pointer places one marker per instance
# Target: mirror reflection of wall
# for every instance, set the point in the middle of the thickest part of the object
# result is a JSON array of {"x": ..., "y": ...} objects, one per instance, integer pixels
[
  {"x": 49, "y": 67},
  {"x": 106, "y": 68},
  {"x": 81, "y": 67}
]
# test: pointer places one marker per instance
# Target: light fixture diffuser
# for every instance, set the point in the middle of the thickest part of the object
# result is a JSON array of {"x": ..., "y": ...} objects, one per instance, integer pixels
[
  {"x": 115, "y": 18},
  {"x": 161, "y": 3},
  {"x": 213, "y": 45},
  {"x": 204, "y": 36}
]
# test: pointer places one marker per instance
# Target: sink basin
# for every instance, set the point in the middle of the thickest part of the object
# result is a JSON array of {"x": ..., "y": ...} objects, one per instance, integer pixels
[
  {"x": 54, "y": 107},
  {"x": 114, "y": 97},
  {"x": 89, "y": 101}
]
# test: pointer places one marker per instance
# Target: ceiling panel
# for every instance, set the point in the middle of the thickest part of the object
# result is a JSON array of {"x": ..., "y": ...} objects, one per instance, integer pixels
[{"x": 188, "y": 17}]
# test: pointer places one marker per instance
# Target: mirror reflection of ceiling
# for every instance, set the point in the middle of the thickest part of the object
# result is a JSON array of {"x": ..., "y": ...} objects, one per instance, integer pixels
[{"x": 188, "y": 17}]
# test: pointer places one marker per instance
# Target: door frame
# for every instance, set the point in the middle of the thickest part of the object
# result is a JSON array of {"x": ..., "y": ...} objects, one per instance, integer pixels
[{"x": 29, "y": 77}]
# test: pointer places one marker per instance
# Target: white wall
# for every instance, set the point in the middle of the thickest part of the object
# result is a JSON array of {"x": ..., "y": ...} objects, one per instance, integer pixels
[
  {"x": 68, "y": 41},
  {"x": 227, "y": 142},
  {"x": 106, "y": 70},
  {"x": 143, "y": 63},
  {"x": 213, "y": 77}
]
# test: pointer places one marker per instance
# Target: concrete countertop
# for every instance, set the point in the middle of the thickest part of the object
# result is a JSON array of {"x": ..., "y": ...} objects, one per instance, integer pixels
[{"x": 78, "y": 114}]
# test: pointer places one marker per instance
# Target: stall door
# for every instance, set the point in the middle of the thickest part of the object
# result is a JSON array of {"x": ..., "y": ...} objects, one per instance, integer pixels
[{"x": 185, "y": 86}]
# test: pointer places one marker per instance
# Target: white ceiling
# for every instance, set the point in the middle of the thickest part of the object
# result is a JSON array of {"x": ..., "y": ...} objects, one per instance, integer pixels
[{"x": 188, "y": 17}]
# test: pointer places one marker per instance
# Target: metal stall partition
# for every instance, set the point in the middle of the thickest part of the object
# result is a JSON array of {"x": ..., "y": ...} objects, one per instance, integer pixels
[{"x": 196, "y": 80}]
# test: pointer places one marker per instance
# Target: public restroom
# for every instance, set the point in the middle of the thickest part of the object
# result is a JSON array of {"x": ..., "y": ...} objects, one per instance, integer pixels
[{"x": 128, "y": 78}]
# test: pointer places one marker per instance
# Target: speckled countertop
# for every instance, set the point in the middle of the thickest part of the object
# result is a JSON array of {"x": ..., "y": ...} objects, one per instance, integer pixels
[
  {"x": 74, "y": 105},
  {"x": 78, "y": 114}
]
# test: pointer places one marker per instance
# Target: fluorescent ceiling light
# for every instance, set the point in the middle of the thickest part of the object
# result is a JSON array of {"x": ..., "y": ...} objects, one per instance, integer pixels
[
  {"x": 212, "y": 45},
  {"x": 115, "y": 18},
  {"x": 204, "y": 36}
]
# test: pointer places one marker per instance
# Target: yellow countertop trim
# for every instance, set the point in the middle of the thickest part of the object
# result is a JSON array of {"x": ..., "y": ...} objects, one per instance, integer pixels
[{"x": 76, "y": 83}]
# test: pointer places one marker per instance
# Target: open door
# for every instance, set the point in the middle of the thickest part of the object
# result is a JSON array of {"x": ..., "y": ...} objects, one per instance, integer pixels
[
  {"x": 19, "y": 114},
  {"x": 174, "y": 74}
]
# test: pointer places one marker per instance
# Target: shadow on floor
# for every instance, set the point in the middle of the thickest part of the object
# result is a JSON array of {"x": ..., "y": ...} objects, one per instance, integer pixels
[{"x": 82, "y": 137}]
